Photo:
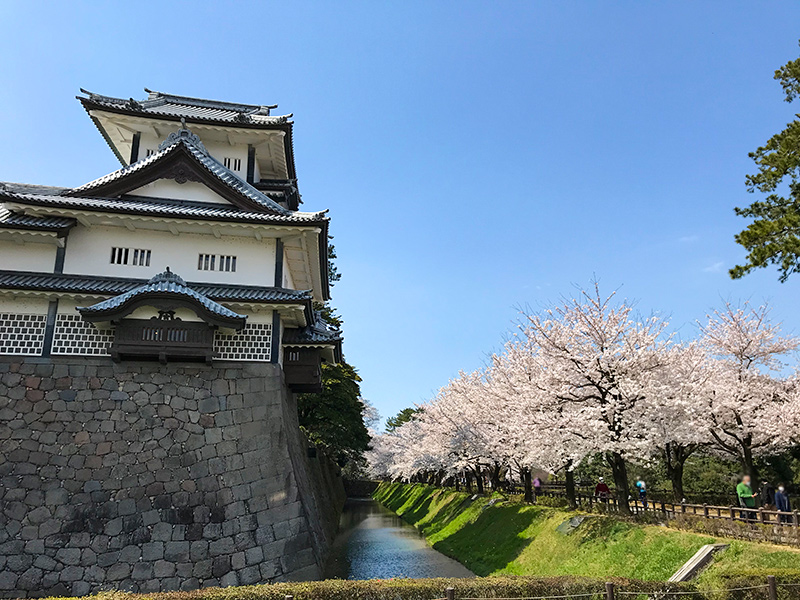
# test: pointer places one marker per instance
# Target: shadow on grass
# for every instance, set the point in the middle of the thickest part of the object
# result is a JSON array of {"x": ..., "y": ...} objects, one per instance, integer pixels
[{"x": 495, "y": 539}]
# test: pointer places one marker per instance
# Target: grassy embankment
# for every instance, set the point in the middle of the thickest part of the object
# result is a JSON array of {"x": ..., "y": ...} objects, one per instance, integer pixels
[{"x": 511, "y": 538}]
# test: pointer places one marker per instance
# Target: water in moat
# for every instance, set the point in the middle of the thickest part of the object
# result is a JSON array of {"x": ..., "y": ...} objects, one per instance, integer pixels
[{"x": 374, "y": 543}]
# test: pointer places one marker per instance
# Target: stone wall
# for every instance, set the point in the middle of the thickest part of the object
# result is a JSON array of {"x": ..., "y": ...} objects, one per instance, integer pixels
[{"x": 144, "y": 477}]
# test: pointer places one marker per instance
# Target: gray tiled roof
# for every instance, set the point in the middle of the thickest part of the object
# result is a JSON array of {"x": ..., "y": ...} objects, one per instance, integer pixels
[
  {"x": 183, "y": 209},
  {"x": 317, "y": 334},
  {"x": 111, "y": 286},
  {"x": 189, "y": 141},
  {"x": 167, "y": 283},
  {"x": 159, "y": 103},
  {"x": 12, "y": 220}
]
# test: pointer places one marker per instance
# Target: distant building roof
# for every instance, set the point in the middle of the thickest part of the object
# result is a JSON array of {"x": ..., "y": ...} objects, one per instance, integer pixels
[{"x": 170, "y": 105}]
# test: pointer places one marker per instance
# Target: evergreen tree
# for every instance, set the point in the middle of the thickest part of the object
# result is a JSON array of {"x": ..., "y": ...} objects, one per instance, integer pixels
[{"x": 773, "y": 238}]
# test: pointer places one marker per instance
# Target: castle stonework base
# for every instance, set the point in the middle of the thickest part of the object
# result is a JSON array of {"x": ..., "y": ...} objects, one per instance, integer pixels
[{"x": 149, "y": 477}]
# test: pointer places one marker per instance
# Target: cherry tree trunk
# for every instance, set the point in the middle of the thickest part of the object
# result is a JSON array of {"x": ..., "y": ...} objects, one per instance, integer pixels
[
  {"x": 748, "y": 464},
  {"x": 620, "y": 472},
  {"x": 468, "y": 479},
  {"x": 479, "y": 479},
  {"x": 569, "y": 487},
  {"x": 527, "y": 480},
  {"x": 675, "y": 458},
  {"x": 495, "y": 477}
]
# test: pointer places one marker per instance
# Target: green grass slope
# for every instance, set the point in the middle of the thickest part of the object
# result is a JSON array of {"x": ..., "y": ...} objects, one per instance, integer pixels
[{"x": 511, "y": 538}]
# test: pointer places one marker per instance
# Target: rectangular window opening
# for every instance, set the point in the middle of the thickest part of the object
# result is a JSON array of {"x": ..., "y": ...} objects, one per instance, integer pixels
[
  {"x": 137, "y": 257},
  {"x": 216, "y": 262}
]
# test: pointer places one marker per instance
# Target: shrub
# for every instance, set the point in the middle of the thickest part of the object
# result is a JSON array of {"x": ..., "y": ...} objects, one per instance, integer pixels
[{"x": 486, "y": 587}]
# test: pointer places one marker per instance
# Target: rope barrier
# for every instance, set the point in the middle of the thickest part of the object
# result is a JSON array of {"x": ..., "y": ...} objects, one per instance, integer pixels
[{"x": 589, "y": 595}]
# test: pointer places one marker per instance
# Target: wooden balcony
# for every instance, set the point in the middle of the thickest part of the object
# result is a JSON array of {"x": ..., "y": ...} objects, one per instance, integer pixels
[
  {"x": 162, "y": 340},
  {"x": 302, "y": 368}
]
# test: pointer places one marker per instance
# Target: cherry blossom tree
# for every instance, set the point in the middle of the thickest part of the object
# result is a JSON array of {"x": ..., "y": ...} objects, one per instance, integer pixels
[
  {"x": 600, "y": 363},
  {"x": 745, "y": 405},
  {"x": 674, "y": 411},
  {"x": 539, "y": 435}
]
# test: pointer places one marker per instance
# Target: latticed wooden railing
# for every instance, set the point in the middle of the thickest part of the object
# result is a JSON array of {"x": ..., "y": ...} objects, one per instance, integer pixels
[{"x": 163, "y": 340}]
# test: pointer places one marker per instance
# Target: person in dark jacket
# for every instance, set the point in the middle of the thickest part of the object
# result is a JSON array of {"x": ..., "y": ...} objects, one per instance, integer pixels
[
  {"x": 767, "y": 495},
  {"x": 782, "y": 503}
]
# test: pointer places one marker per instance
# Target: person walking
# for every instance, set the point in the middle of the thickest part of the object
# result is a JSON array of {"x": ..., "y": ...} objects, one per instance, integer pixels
[
  {"x": 640, "y": 485},
  {"x": 767, "y": 495},
  {"x": 537, "y": 486},
  {"x": 747, "y": 499},
  {"x": 782, "y": 503},
  {"x": 601, "y": 490}
]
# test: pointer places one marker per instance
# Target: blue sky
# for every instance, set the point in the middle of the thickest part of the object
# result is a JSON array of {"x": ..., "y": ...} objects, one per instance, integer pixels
[{"x": 475, "y": 157}]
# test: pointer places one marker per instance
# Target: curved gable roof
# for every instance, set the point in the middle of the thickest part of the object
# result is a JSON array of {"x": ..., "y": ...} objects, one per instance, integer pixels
[
  {"x": 166, "y": 285},
  {"x": 182, "y": 157}
]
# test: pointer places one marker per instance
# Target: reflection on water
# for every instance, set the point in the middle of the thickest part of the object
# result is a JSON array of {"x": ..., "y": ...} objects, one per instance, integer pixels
[{"x": 374, "y": 543}]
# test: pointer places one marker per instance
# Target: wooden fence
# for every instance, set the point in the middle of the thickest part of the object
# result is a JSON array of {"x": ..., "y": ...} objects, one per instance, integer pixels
[{"x": 673, "y": 509}]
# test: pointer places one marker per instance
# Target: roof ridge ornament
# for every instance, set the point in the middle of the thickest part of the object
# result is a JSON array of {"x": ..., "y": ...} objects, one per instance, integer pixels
[
  {"x": 168, "y": 277},
  {"x": 184, "y": 134}
]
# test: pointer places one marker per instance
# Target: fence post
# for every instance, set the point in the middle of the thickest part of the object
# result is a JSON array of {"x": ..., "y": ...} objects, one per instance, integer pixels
[
  {"x": 761, "y": 516},
  {"x": 773, "y": 587},
  {"x": 705, "y": 510},
  {"x": 663, "y": 508},
  {"x": 450, "y": 593},
  {"x": 609, "y": 590},
  {"x": 795, "y": 519}
]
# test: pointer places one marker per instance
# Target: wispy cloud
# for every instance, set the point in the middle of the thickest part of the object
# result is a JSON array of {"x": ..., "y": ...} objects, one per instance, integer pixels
[
  {"x": 688, "y": 239},
  {"x": 714, "y": 267}
]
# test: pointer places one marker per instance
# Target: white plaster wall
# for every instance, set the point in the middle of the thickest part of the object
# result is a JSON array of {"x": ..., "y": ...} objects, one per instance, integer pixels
[
  {"x": 222, "y": 151},
  {"x": 89, "y": 253},
  {"x": 168, "y": 188},
  {"x": 218, "y": 150},
  {"x": 27, "y": 257},
  {"x": 288, "y": 280},
  {"x": 28, "y": 306}
]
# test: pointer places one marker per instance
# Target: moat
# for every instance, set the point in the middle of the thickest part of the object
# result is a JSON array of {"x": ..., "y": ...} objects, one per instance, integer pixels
[{"x": 374, "y": 543}]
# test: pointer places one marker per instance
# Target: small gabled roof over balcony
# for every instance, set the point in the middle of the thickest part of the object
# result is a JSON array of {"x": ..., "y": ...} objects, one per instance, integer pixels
[
  {"x": 164, "y": 291},
  {"x": 316, "y": 335}
]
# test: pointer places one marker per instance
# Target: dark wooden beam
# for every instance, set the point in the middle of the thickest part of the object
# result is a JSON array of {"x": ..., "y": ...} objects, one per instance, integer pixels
[
  {"x": 135, "y": 147},
  {"x": 251, "y": 164},
  {"x": 276, "y": 337},
  {"x": 278, "y": 262},
  {"x": 61, "y": 252},
  {"x": 50, "y": 327}
]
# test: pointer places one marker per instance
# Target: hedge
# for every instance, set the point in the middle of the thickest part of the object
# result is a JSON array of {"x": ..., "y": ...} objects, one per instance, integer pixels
[{"x": 486, "y": 587}]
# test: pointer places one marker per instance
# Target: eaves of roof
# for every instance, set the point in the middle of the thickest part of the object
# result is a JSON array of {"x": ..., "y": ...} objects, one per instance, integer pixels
[
  {"x": 209, "y": 117},
  {"x": 158, "y": 207},
  {"x": 112, "y": 286},
  {"x": 13, "y": 220}
]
